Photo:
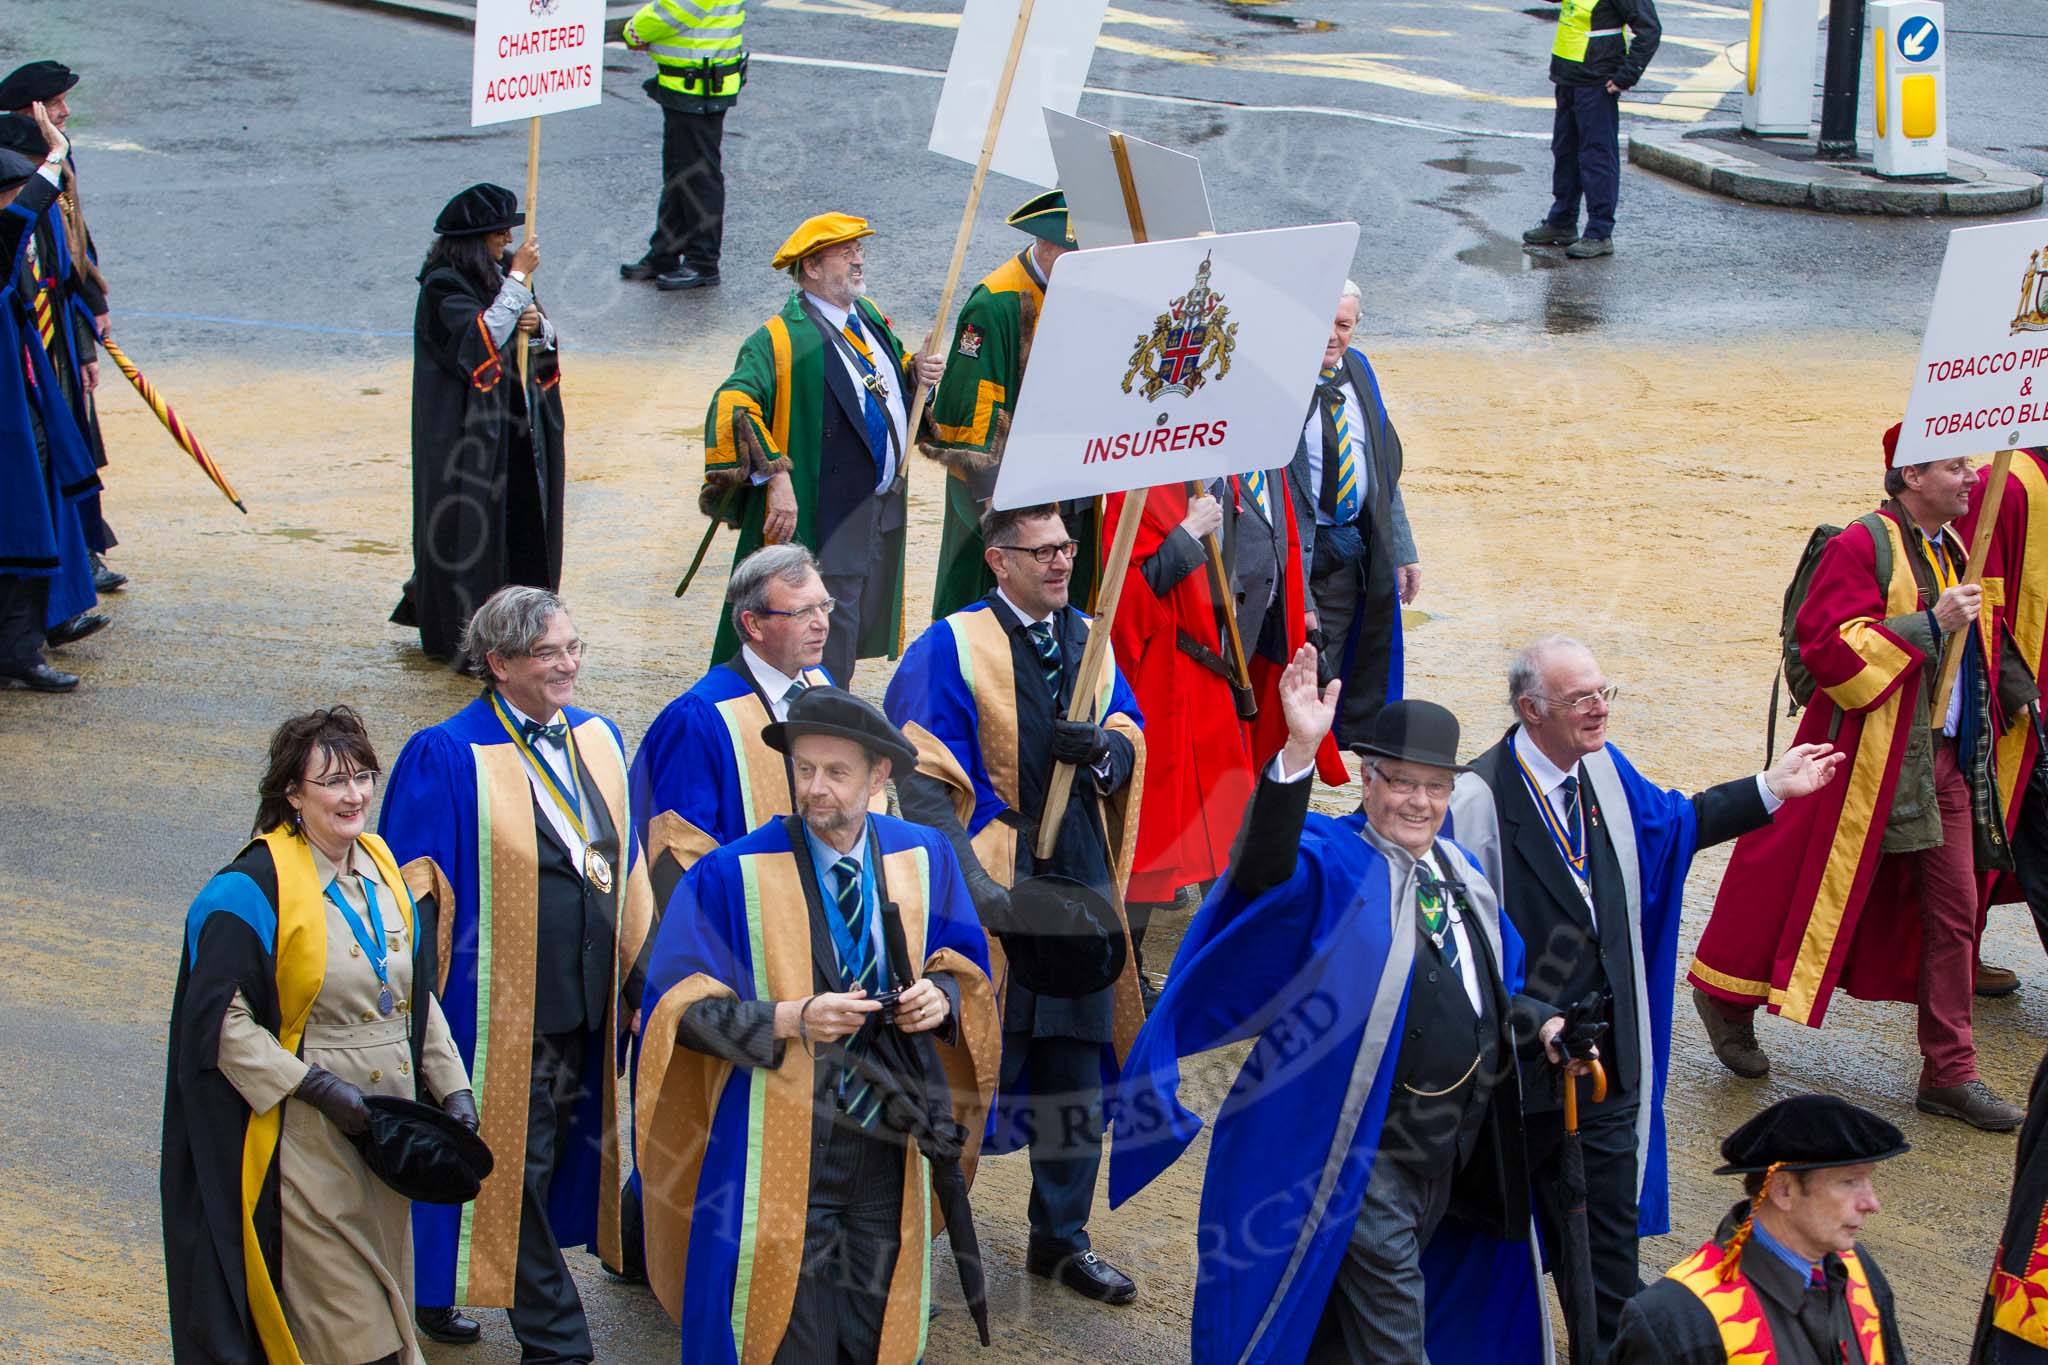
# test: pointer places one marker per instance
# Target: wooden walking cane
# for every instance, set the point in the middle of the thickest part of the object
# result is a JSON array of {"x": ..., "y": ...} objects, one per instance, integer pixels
[
  {"x": 1973, "y": 572},
  {"x": 532, "y": 221},
  {"x": 1219, "y": 577},
  {"x": 920, "y": 395}
]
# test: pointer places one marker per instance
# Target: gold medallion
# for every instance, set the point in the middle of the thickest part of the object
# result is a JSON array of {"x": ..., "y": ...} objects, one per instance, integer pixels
[{"x": 597, "y": 869}]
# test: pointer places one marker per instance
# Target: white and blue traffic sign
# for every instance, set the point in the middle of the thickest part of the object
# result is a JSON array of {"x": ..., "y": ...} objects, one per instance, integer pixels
[{"x": 1919, "y": 38}]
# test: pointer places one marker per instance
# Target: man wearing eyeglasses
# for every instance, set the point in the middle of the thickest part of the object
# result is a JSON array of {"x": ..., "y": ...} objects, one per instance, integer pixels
[
  {"x": 982, "y": 694},
  {"x": 521, "y": 798},
  {"x": 1378, "y": 1114},
  {"x": 1590, "y": 863},
  {"x": 805, "y": 440}
]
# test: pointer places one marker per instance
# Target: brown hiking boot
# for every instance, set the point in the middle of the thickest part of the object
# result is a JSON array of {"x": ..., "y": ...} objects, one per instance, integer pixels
[
  {"x": 1993, "y": 982},
  {"x": 1974, "y": 1102},
  {"x": 1733, "y": 1037}
]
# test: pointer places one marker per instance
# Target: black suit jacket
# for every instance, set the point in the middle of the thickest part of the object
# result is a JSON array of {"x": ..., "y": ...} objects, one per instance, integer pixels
[
  {"x": 851, "y": 518},
  {"x": 1572, "y": 952}
]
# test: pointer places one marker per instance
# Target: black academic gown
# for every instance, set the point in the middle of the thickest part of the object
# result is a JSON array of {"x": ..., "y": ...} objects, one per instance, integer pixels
[
  {"x": 486, "y": 483},
  {"x": 206, "y": 1121},
  {"x": 1667, "y": 1324}
]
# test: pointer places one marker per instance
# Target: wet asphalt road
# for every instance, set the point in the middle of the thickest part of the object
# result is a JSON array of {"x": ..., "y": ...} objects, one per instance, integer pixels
[{"x": 280, "y": 164}]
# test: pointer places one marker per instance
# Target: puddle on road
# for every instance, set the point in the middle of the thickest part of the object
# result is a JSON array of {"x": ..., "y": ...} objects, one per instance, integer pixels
[
  {"x": 1253, "y": 11},
  {"x": 1471, "y": 165}
]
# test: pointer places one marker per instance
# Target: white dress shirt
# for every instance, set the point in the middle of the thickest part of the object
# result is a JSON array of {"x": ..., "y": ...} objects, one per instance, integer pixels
[
  {"x": 557, "y": 755},
  {"x": 892, "y": 397},
  {"x": 773, "y": 682}
]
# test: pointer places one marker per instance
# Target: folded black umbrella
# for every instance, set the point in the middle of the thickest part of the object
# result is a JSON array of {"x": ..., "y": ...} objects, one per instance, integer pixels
[
  {"x": 424, "y": 1154},
  {"x": 917, "y": 1101}
]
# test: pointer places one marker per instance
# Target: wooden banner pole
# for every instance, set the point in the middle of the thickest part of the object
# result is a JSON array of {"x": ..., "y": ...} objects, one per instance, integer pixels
[
  {"x": 532, "y": 220},
  {"x": 1973, "y": 572},
  {"x": 1094, "y": 658},
  {"x": 1219, "y": 576},
  {"x": 920, "y": 395}
]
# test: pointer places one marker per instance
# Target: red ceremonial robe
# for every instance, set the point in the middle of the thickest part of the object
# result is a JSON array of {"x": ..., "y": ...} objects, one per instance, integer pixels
[
  {"x": 1198, "y": 776},
  {"x": 1266, "y": 733},
  {"x": 2016, "y": 589},
  {"x": 1799, "y": 912}
]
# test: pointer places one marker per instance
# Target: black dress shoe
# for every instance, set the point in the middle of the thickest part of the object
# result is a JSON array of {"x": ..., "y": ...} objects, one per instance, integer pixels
[
  {"x": 1085, "y": 1273},
  {"x": 644, "y": 269},
  {"x": 447, "y": 1324},
  {"x": 41, "y": 678},
  {"x": 105, "y": 579},
  {"x": 685, "y": 277},
  {"x": 76, "y": 629}
]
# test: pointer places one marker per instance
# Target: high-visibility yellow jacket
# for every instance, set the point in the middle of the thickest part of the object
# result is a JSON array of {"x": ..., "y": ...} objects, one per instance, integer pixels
[{"x": 698, "y": 46}]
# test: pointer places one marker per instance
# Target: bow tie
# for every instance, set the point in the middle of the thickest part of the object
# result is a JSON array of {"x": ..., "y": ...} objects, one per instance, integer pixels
[{"x": 534, "y": 730}]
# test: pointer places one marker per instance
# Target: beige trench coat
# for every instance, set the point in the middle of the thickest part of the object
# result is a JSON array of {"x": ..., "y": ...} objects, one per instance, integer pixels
[{"x": 347, "y": 1272}]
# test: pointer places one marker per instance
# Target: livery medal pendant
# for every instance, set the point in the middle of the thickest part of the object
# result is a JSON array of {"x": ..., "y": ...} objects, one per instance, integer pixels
[
  {"x": 597, "y": 869},
  {"x": 385, "y": 1004}
]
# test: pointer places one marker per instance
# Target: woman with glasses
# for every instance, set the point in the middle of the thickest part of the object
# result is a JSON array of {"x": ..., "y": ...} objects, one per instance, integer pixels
[{"x": 303, "y": 986}]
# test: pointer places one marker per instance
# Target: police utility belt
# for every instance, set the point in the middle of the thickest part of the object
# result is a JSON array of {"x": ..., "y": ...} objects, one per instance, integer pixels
[{"x": 707, "y": 75}]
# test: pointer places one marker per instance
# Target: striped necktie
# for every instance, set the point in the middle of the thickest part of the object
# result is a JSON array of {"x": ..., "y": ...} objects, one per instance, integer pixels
[
  {"x": 44, "y": 305},
  {"x": 1346, "y": 510},
  {"x": 797, "y": 687},
  {"x": 1048, "y": 650},
  {"x": 872, "y": 412},
  {"x": 1254, "y": 486},
  {"x": 857, "y": 1096}
]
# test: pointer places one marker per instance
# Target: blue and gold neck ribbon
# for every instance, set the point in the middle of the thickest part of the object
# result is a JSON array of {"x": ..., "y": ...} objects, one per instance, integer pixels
[
  {"x": 1570, "y": 840},
  {"x": 568, "y": 800}
]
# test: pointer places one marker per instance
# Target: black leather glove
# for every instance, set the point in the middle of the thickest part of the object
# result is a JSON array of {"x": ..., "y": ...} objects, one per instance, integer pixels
[
  {"x": 341, "y": 1102},
  {"x": 1079, "y": 743},
  {"x": 461, "y": 1106},
  {"x": 991, "y": 900}
]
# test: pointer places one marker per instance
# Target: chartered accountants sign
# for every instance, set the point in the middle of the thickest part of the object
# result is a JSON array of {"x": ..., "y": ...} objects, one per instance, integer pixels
[{"x": 535, "y": 57}]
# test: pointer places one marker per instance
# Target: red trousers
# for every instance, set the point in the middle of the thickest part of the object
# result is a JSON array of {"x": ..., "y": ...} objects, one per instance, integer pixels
[{"x": 1948, "y": 929}]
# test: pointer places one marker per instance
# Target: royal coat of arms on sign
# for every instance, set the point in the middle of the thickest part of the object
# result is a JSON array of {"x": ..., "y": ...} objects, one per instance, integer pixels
[{"x": 1193, "y": 334}]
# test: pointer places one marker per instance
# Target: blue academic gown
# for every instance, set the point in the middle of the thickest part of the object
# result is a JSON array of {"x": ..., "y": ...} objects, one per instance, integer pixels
[
  {"x": 934, "y": 689},
  {"x": 692, "y": 762},
  {"x": 711, "y": 928},
  {"x": 1296, "y": 970},
  {"x": 1665, "y": 836},
  {"x": 431, "y": 809},
  {"x": 41, "y": 536}
]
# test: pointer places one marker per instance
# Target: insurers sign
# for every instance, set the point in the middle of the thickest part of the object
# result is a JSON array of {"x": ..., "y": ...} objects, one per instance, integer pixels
[
  {"x": 1982, "y": 382},
  {"x": 1166, "y": 361},
  {"x": 535, "y": 57}
]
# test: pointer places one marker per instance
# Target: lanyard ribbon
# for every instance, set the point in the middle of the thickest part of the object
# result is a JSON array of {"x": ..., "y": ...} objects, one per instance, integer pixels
[
  {"x": 1570, "y": 842},
  {"x": 569, "y": 802},
  {"x": 371, "y": 940}
]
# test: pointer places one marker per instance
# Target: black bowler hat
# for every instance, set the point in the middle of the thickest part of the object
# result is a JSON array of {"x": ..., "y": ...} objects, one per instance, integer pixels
[
  {"x": 1810, "y": 1133},
  {"x": 479, "y": 209},
  {"x": 32, "y": 81},
  {"x": 1063, "y": 938},
  {"x": 14, "y": 168},
  {"x": 835, "y": 711},
  {"x": 1415, "y": 732},
  {"x": 426, "y": 1155}
]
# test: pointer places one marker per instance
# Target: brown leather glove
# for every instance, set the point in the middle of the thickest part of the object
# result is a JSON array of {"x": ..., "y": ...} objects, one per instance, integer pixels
[{"x": 334, "y": 1097}]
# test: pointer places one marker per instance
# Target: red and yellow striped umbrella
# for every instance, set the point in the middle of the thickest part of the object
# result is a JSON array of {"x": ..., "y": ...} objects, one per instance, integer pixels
[{"x": 182, "y": 434}]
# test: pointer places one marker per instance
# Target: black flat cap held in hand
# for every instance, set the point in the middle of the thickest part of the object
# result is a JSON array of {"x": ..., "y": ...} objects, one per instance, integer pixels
[{"x": 424, "y": 1154}]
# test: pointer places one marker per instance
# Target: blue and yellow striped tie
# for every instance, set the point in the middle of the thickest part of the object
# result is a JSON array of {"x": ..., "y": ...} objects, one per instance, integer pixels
[
  {"x": 1254, "y": 485},
  {"x": 859, "y": 1100},
  {"x": 1346, "y": 510}
]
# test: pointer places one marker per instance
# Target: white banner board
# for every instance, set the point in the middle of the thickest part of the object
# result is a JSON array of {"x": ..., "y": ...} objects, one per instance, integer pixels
[
  {"x": 1173, "y": 360},
  {"x": 535, "y": 57},
  {"x": 1982, "y": 384},
  {"x": 1051, "y": 70},
  {"x": 1171, "y": 193}
]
